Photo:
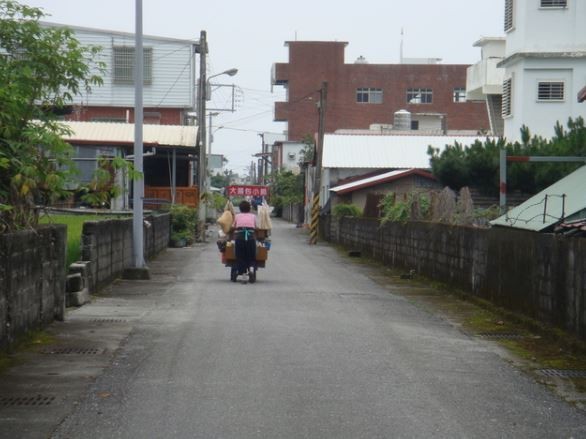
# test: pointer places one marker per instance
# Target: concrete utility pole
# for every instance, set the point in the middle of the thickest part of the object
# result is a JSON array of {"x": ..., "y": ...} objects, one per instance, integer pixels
[
  {"x": 139, "y": 270},
  {"x": 315, "y": 206},
  {"x": 201, "y": 122}
]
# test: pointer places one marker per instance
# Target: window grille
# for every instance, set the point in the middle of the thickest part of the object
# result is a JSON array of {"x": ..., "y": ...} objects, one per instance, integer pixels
[
  {"x": 509, "y": 19},
  {"x": 507, "y": 97},
  {"x": 419, "y": 96},
  {"x": 550, "y": 91},
  {"x": 460, "y": 94},
  {"x": 554, "y": 3},
  {"x": 123, "y": 66},
  {"x": 369, "y": 95}
]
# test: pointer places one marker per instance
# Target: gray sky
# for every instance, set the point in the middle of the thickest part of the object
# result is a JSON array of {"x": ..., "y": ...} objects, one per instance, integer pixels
[{"x": 250, "y": 36}]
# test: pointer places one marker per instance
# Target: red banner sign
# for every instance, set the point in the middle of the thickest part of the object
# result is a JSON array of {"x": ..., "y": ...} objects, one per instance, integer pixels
[{"x": 248, "y": 191}]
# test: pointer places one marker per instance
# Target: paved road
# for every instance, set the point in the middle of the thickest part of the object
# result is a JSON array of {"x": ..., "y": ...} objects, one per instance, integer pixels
[{"x": 314, "y": 349}]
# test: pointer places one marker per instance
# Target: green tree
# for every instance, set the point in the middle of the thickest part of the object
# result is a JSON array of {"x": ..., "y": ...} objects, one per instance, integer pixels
[
  {"x": 478, "y": 165},
  {"x": 41, "y": 70},
  {"x": 286, "y": 188},
  {"x": 308, "y": 152},
  {"x": 224, "y": 179}
]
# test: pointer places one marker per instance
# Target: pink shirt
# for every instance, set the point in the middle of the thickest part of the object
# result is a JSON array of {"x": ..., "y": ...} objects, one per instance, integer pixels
[{"x": 245, "y": 220}]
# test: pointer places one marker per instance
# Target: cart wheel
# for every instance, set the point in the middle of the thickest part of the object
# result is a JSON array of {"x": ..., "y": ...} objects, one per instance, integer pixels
[
  {"x": 252, "y": 276},
  {"x": 233, "y": 274}
]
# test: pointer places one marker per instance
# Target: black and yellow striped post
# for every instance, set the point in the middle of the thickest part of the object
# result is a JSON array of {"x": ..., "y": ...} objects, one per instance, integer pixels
[{"x": 314, "y": 226}]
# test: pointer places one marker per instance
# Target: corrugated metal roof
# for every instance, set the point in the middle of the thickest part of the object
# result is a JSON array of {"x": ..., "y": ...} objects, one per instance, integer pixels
[
  {"x": 378, "y": 179},
  {"x": 384, "y": 151},
  {"x": 582, "y": 95},
  {"x": 537, "y": 214},
  {"x": 123, "y": 133}
]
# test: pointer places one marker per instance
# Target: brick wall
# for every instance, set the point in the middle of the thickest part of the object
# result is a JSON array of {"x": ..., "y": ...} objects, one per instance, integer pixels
[
  {"x": 108, "y": 245},
  {"x": 32, "y": 281},
  {"x": 311, "y": 63},
  {"x": 540, "y": 275},
  {"x": 162, "y": 116}
]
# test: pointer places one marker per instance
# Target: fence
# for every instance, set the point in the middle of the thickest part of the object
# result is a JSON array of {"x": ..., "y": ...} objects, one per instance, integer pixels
[
  {"x": 108, "y": 246},
  {"x": 294, "y": 213},
  {"x": 540, "y": 275},
  {"x": 32, "y": 281}
]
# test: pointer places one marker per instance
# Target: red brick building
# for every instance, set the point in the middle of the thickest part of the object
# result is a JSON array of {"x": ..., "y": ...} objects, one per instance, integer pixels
[{"x": 362, "y": 94}]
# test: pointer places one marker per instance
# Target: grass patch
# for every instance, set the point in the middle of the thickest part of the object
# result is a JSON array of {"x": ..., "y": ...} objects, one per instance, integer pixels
[
  {"x": 74, "y": 225},
  {"x": 24, "y": 343}
]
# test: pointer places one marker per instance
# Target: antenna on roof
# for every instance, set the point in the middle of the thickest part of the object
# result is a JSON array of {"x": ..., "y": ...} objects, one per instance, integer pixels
[{"x": 401, "y": 48}]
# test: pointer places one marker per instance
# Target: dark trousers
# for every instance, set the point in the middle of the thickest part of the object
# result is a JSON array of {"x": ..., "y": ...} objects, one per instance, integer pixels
[{"x": 245, "y": 254}]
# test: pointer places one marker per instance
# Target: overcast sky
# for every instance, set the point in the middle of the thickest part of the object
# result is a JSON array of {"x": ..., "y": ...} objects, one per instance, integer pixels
[{"x": 250, "y": 35}]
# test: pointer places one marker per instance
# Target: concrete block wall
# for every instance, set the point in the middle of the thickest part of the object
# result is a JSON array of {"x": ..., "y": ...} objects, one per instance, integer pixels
[
  {"x": 108, "y": 245},
  {"x": 294, "y": 213},
  {"x": 540, "y": 275},
  {"x": 32, "y": 281}
]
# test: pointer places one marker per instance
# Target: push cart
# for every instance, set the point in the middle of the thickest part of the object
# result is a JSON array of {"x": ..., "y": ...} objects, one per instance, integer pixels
[{"x": 228, "y": 255}]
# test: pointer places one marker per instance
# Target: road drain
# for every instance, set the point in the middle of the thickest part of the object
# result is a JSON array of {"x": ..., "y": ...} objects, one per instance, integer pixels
[
  {"x": 563, "y": 373},
  {"x": 108, "y": 321},
  {"x": 26, "y": 401},
  {"x": 71, "y": 351},
  {"x": 499, "y": 335}
]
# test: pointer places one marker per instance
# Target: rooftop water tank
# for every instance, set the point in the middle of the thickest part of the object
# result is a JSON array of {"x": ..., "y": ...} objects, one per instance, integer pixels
[{"x": 402, "y": 121}]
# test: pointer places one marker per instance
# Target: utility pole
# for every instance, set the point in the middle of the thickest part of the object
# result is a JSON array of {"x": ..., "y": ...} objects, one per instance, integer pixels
[
  {"x": 201, "y": 122},
  {"x": 139, "y": 269},
  {"x": 315, "y": 205}
]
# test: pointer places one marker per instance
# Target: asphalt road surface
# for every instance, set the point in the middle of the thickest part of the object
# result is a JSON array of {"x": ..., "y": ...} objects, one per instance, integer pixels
[{"x": 314, "y": 349}]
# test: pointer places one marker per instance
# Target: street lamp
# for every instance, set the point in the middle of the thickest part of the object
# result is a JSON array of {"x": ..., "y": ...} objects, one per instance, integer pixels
[
  {"x": 204, "y": 96},
  {"x": 208, "y": 91}
]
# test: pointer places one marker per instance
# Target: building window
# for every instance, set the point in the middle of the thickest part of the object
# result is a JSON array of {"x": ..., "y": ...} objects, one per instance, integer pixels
[
  {"x": 460, "y": 94},
  {"x": 509, "y": 16},
  {"x": 369, "y": 95},
  {"x": 419, "y": 96},
  {"x": 123, "y": 70},
  {"x": 554, "y": 3},
  {"x": 507, "y": 109},
  {"x": 550, "y": 91},
  {"x": 415, "y": 125}
]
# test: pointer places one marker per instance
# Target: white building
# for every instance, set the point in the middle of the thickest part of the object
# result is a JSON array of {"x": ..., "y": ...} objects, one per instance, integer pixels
[
  {"x": 287, "y": 156},
  {"x": 169, "y": 78},
  {"x": 484, "y": 80},
  {"x": 545, "y": 64}
]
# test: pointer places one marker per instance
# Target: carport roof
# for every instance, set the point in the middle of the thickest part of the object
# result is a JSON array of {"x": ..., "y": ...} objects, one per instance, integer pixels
[
  {"x": 387, "y": 177},
  {"x": 385, "y": 151},
  {"x": 548, "y": 207},
  {"x": 123, "y": 134}
]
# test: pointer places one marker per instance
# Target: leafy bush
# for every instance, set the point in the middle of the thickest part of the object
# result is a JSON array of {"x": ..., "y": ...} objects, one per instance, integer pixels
[
  {"x": 42, "y": 69},
  {"x": 183, "y": 223},
  {"x": 341, "y": 210},
  {"x": 414, "y": 206}
]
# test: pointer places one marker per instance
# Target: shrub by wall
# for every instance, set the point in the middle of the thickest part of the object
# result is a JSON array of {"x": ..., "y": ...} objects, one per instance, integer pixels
[{"x": 540, "y": 275}]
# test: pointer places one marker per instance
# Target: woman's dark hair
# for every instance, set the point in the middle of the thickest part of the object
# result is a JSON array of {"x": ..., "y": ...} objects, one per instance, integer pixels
[{"x": 244, "y": 206}]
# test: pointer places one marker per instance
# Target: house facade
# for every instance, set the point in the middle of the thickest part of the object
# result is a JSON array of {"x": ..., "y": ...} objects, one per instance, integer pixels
[
  {"x": 361, "y": 94},
  {"x": 287, "y": 156},
  {"x": 169, "y": 79},
  {"x": 544, "y": 64}
]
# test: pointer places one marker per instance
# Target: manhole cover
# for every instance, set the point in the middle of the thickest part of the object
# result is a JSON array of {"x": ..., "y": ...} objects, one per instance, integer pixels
[
  {"x": 563, "y": 373},
  {"x": 108, "y": 321},
  {"x": 71, "y": 351},
  {"x": 499, "y": 335},
  {"x": 23, "y": 401}
]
